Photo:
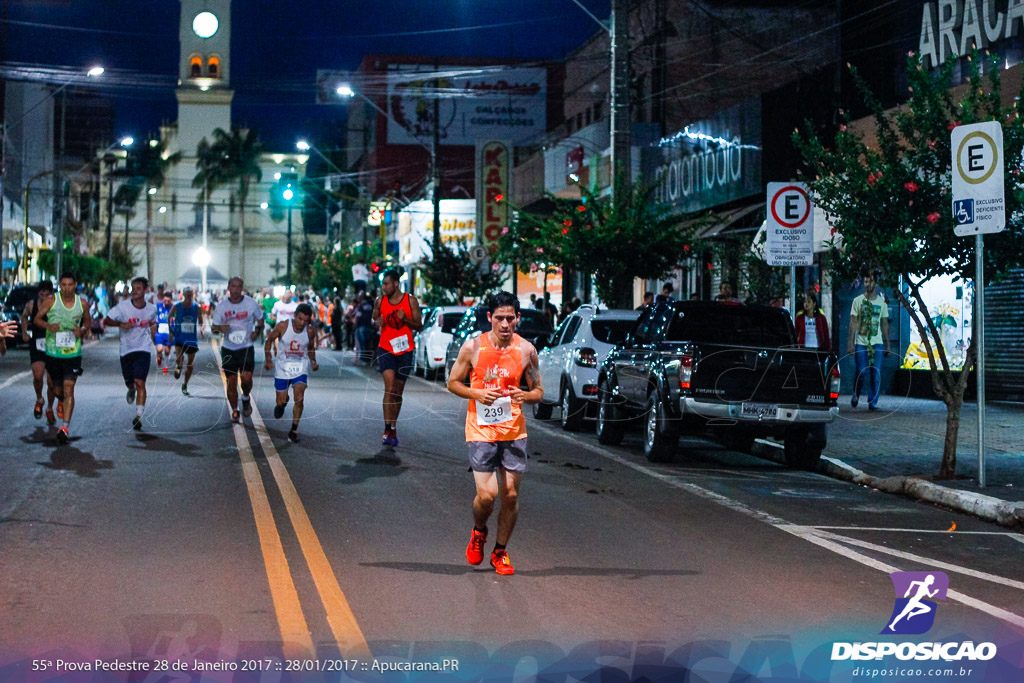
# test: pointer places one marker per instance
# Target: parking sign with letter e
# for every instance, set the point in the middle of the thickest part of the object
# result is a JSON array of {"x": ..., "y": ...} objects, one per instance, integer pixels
[{"x": 978, "y": 199}]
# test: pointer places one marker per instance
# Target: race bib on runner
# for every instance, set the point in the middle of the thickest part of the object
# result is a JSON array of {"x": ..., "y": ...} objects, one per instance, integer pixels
[
  {"x": 237, "y": 337},
  {"x": 291, "y": 369},
  {"x": 497, "y": 413},
  {"x": 65, "y": 340},
  {"x": 163, "y": 328},
  {"x": 41, "y": 344},
  {"x": 188, "y": 328},
  {"x": 400, "y": 344}
]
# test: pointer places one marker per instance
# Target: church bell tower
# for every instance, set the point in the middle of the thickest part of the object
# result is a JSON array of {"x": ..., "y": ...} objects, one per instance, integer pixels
[{"x": 204, "y": 71}]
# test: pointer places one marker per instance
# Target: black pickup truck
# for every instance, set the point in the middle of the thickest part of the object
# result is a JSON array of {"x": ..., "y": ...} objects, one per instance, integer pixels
[{"x": 730, "y": 368}]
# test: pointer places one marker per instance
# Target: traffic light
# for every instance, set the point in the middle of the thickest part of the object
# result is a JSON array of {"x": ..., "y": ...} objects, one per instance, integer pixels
[
  {"x": 28, "y": 259},
  {"x": 375, "y": 268}
]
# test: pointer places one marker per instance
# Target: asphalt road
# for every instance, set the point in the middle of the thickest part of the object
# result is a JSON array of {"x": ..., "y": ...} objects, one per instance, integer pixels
[{"x": 202, "y": 541}]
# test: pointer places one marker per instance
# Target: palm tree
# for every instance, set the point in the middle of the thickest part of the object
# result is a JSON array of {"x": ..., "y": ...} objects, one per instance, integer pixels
[
  {"x": 150, "y": 164},
  {"x": 231, "y": 157}
]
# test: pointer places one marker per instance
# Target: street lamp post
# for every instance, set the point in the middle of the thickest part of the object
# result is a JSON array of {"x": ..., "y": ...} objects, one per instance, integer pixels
[
  {"x": 24, "y": 249},
  {"x": 306, "y": 146},
  {"x": 433, "y": 148},
  {"x": 288, "y": 195}
]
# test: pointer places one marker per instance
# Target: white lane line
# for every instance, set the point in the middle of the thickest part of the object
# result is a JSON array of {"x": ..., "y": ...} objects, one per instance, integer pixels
[
  {"x": 1017, "y": 537},
  {"x": 938, "y": 564},
  {"x": 809, "y": 534},
  {"x": 15, "y": 378}
]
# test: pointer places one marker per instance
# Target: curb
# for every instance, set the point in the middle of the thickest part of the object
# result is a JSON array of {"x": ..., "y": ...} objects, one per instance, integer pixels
[{"x": 1001, "y": 512}]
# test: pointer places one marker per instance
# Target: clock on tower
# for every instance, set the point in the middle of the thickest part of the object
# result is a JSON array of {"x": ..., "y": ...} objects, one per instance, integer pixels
[{"x": 205, "y": 37}]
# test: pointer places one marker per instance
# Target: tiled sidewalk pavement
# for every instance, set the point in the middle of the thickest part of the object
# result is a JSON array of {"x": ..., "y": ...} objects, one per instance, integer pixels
[{"x": 905, "y": 437}]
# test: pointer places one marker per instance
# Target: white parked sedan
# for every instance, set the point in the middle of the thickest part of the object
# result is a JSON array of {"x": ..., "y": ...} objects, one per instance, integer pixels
[
  {"x": 568, "y": 367},
  {"x": 432, "y": 341}
]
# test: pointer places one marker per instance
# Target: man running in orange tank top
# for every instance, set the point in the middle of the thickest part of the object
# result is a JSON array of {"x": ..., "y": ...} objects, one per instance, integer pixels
[
  {"x": 397, "y": 315},
  {"x": 498, "y": 363}
]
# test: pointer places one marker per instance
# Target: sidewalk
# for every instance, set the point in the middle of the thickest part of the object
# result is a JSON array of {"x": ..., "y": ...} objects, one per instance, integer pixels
[{"x": 899, "y": 449}]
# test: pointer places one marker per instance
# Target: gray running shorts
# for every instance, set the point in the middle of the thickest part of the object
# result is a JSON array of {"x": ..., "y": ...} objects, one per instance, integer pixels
[{"x": 490, "y": 456}]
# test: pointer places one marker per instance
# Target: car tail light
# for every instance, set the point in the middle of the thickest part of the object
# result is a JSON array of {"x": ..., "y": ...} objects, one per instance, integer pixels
[
  {"x": 586, "y": 357},
  {"x": 833, "y": 383},
  {"x": 590, "y": 390},
  {"x": 685, "y": 371}
]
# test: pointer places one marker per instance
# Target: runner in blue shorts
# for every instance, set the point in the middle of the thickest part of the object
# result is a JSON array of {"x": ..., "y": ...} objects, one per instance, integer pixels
[
  {"x": 296, "y": 355},
  {"x": 186, "y": 322},
  {"x": 162, "y": 339}
]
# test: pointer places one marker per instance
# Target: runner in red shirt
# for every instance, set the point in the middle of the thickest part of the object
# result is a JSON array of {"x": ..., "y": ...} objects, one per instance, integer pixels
[{"x": 397, "y": 314}]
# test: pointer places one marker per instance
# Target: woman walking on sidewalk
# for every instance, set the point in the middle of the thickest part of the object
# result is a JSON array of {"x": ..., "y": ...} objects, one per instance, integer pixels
[{"x": 812, "y": 326}]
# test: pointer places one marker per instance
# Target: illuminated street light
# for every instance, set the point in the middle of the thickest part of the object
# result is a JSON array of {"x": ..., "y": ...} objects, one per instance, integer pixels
[
  {"x": 151, "y": 190},
  {"x": 346, "y": 91},
  {"x": 95, "y": 71},
  {"x": 303, "y": 145},
  {"x": 264, "y": 206},
  {"x": 127, "y": 141},
  {"x": 163, "y": 209}
]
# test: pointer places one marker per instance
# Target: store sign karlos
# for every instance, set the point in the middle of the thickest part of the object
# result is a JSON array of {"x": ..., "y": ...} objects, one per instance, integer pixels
[
  {"x": 952, "y": 27},
  {"x": 493, "y": 160},
  {"x": 790, "y": 225},
  {"x": 710, "y": 162}
]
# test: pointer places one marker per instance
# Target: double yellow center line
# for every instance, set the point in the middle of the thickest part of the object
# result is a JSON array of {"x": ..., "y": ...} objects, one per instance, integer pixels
[{"x": 292, "y": 622}]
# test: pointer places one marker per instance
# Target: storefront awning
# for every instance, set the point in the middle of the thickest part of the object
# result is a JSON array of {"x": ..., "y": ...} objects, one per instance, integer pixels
[{"x": 730, "y": 222}]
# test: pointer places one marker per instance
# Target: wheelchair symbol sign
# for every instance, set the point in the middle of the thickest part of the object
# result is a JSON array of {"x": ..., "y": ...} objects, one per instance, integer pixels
[{"x": 963, "y": 211}]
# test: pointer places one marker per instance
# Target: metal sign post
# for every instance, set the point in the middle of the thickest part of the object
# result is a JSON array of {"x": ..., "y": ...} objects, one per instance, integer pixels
[{"x": 979, "y": 207}]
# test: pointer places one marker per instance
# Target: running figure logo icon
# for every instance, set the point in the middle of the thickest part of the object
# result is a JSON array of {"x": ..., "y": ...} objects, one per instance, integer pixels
[{"x": 916, "y": 592}]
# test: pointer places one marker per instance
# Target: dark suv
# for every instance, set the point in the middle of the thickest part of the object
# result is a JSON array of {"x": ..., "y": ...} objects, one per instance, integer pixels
[
  {"x": 14, "y": 306},
  {"x": 534, "y": 326}
]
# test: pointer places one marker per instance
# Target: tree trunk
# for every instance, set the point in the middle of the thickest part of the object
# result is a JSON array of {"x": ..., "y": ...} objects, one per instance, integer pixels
[
  {"x": 953, "y": 405},
  {"x": 243, "y": 195},
  {"x": 149, "y": 237}
]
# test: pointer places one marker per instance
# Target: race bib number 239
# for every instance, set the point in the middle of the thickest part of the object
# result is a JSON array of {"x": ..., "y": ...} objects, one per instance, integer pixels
[{"x": 497, "y": 413}]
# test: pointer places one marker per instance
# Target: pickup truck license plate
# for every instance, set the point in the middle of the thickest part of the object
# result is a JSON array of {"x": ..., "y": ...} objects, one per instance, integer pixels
[{"x": 760, "y": 410}]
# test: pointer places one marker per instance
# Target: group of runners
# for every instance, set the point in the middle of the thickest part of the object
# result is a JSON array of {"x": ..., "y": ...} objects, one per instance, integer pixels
[{"x": 501, "y": 368}]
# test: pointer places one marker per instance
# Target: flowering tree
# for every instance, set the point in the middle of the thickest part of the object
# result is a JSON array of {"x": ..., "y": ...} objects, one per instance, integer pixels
[
  {"x": 614, "y": 241},
  {"x": 454, "y": 277},
  {"x": 892, "y": 204}
]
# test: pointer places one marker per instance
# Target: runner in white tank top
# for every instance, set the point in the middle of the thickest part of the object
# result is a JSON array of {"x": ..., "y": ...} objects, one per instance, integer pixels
[{"x": 296, "y": 355}]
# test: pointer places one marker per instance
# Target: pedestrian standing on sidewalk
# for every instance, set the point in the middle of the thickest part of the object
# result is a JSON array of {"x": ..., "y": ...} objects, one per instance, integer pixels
[
  {"x": 869, "y": 327},
  {"x": 812, "y": 326},
  {"x": 364, "y": 330}
]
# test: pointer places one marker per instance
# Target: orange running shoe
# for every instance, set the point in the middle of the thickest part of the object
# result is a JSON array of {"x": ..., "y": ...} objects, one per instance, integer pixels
[
  {"x": 475, "y": 549},
  {"x": 62, "y": 435},
  {"x": 501, "y": 563},
  {"x": 37, "y": 412},
  {"x": 50, "y": 418},
  {"x": 60, "y": 410}
]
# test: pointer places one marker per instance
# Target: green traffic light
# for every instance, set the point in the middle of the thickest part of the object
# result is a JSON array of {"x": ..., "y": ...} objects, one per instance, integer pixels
[{"x": 288, "y": 195}]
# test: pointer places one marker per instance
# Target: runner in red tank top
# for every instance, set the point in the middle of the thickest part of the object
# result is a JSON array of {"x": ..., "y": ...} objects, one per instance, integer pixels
[
  {"x": 497, "y": 362},
  {"x": 397, "y": 315}
]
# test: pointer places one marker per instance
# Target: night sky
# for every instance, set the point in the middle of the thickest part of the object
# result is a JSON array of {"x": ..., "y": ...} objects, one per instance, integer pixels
[{"x": 277, "y": 46}]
